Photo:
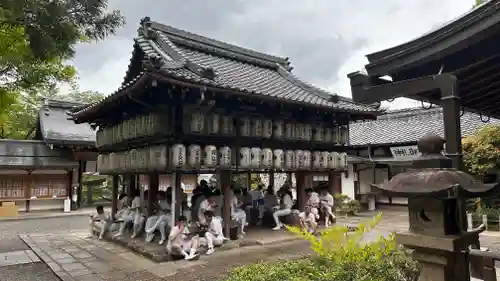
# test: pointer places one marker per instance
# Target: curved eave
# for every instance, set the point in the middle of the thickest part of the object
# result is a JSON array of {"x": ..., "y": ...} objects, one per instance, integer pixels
[{"x": 450, "y": 38}]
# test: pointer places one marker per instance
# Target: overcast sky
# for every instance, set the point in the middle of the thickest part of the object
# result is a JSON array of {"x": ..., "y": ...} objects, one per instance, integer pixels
[{"x": 324, "y": 39}]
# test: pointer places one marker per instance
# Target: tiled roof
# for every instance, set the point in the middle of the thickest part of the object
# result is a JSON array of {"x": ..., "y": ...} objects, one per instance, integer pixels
[
  {"x": 185, "y": 56},
  {"x": 56, "y": 128},
  {"x": 28, "y": 154},
  {"x": 408, "y": 125}
]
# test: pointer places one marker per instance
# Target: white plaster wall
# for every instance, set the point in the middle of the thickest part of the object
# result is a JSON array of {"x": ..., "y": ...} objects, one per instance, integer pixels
[
  {"x": 348, "y": 182},
  {"x": 366, "y": 179}
]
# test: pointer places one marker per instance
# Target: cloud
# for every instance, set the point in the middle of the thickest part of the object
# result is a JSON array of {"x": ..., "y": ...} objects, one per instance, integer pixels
[{"x": 324, "y": 39}]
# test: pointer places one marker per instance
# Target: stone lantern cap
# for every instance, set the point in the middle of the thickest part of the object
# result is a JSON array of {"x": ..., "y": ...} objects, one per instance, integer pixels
[{"x": 438, "y": 180}]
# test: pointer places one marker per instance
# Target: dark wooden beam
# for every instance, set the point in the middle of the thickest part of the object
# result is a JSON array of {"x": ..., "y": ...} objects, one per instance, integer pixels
[{"x": 114, "y": 195}]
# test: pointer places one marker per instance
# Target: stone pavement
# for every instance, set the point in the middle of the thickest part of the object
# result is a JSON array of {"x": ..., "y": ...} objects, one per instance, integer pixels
[
  {"x": 73, "y": 257},
  {"x": 18, "y": 257}
]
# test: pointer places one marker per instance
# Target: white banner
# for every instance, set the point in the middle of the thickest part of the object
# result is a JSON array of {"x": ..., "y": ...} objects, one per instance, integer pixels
[{"x": 405, "y": 151}]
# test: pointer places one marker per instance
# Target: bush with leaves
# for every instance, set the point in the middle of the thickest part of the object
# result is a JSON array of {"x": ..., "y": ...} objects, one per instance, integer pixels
[
  {"x": 344, "y": 205},
  {"x": 339, "y": 256}
]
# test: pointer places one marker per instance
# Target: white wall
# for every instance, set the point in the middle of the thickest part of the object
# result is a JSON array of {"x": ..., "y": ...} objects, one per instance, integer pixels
[{"x": 348, "y": 182}]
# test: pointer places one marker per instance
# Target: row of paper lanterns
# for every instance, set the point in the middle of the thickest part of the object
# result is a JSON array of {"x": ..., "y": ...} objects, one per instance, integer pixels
[
  {"x": 155, "y": 158},
  {"x": 265, "y": 128},
  {"x": 140, "y": 126}
]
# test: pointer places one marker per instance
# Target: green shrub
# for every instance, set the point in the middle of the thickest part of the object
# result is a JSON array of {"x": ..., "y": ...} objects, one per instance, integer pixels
[
  {"x": 346, "y": 206},
  {"x": 339, "y": 256}
]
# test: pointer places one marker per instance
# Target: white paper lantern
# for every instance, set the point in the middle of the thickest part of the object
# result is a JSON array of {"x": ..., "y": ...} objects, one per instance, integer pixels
[
  {"x": 257, "y": 128},
  {"x": 335, "y": 135},
  {"x": 100, "y": 163},
  {"x": 316, "y": 156},
  {"x": 299, "y": 159},
  {"x": 307, "y": 159},
  {"x": 289, "y": 131},
  {"x": 279, "y": 129},
  {"x": 245, "y": 127},
  {"x": 343, "y": 135},
  {"x": 325, "y": 155},
  {"x": 328, "y": 135},
  {"x": 178, "y": 155},
  {"x": 244, "y": 157},
  {"x": 267, "y": 128},
  {"x": 308, "y": 132},
  {"x": 279, "y": 159},
  {"x": 194, "y": 155},
  {"x": 299, "y": 132},
  {"x": 290, "y": 159},
  {"x": 227, "y": 126},
  {"x": 213, "y": 124},
  {"x": 158, "y": 157},
  {"x": 133, "y": 159},
  {"x": 144, "y": 158},
  {"x": 225, "y": 157},
  {"x": 255, "y": 157},
  {"x": 126, "y": 161},
  {"x": 333, "y": 160},
  {"x": 197, "y": 122},
  {"x": 210, "y": 159},
  {"x": 319, "y": 134},
  {"x": 343, "y": 160},
  {"x": 267, "y": 158}
]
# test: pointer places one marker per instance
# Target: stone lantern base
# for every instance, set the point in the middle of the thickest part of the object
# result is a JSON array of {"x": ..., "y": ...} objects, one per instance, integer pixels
[{"x": 442, "y": 258}]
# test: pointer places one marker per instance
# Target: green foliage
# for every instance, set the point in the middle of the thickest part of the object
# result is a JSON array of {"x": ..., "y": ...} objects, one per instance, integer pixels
[
  {"x": 18, "y": 120},
  {"x": 339, "y": 256},
  {"x": 481, "y": 151},
  {"x": 346, "y": 206},
  {"x": 37, "y": 37},
  {"x": 477, "y": 3}
]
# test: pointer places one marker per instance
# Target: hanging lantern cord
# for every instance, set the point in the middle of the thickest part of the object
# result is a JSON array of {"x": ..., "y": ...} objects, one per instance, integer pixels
[
  {"x": 425, "y": 107},
  {"x": 484, "y": 120}
]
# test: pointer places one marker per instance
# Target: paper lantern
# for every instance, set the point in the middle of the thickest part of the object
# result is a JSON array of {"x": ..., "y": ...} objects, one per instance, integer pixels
[
  {"x": 257, "y": 128},
  {"x": 299, "y": 159},
  {"x": 267, "y": 158},
  {"x": 278, "y": 129},
  {"x": 196, "y": 123},
  {"x": 316, "y": 156},
  {"x": 299, "y": 132},
  {"x": 328, "y": 135},
  {"x": 227, "y": 126},
  {"x": 279, "y": 159},
  {"x": 225, "y": 157},
  {"x": 194, "y": 155},
  {"x": 255, "y": 158},
  {"x": 325, "y": 155},
  {"x": 343, "y": 160},
  {"x": 319, "y": 134},
  {"x": 245, "y": 127},
  {"x": 307, "y": 159},
  {"x": 343, "y": 135},
  {"x": 133, "y": 159},
  {"x": 308, "y": 132},
  {"x": 210, "y": 159},
  {"x": 289, "y": 131},
  {"x": 214, "y": 121},
  {"x": 290, "y": 159},
  {"x": 267, "y": 128},
  {"x": 333, "y": 162},
  {"x": 244, "y": 157},
  {"x": 100, "y": 163},
  {"x": 158, "y": 157},
  {"x": 144, "y": 159},
  {"x": 178, "y": 155},
  {"x": 335, "y": 135}
]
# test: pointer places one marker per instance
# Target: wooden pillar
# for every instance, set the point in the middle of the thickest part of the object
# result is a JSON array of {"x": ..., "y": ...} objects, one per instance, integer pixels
[
  {"x": 331, "y": 185},
  {"x": 154, "y": 181},
  {"x": 29, "y": 186},
  {"x": 271, "y": 178},
  {"x": 114, "y": 195},
  {"x": 301, "y": 189},
  {"x": 249, "y": 181},
  {"x": 70, "y": 190},
  {"x": 177, "y": 191},
  {"x": 225, "y": 187},
  {"x": 79, "y": 189},
  {"x": 130, "y": 186}
]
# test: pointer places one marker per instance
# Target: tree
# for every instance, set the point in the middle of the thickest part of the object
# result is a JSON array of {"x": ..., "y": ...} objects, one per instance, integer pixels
[
  {"x": 37, "y": 37},
  {"x": 478, "y": 2},
  {"x": 481, "y": 151},
  {"x": 20, "y": 118}
]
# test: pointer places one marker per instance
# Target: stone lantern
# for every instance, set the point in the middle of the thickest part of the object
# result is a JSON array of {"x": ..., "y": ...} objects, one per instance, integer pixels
[{"x": 436, "y": 192}]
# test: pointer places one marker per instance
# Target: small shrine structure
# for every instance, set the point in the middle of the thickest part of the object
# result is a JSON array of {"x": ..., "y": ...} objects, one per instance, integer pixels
[{"x": 190, "y": 105}]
